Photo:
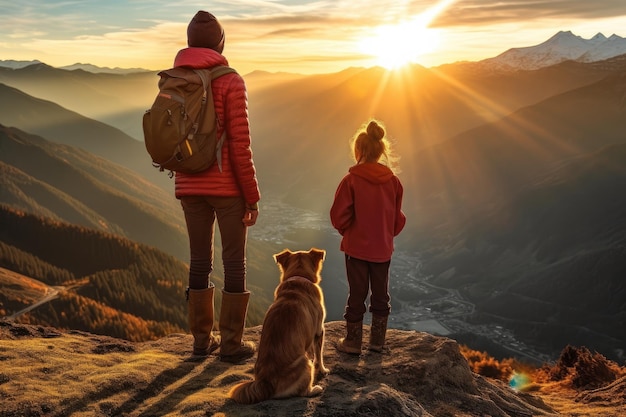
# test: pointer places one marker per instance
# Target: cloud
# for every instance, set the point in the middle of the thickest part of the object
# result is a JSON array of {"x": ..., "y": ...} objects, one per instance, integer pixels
[
  {"x": 276, "y": 32},
  {"x": 475, "y": 12},
  {"x": 152, "y": 48}
]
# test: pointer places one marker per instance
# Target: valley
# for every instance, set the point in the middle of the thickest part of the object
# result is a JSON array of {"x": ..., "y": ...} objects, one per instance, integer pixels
[
  {"x": 493, "y": 254},
  {"x": 444, "y": 311},
  {"x": 417, "y": 303}
]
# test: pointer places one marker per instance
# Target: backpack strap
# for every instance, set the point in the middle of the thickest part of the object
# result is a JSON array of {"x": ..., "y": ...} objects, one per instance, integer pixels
[
  {"x": 207, "y": 75},
  {"x": 213, "y": 73},
  {"x": 220, "y": 70}
]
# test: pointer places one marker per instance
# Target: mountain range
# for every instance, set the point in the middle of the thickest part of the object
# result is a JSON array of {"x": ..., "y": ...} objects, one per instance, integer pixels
[
  {"x": 10, "y": 63},
  {"x": 15, "y": 64},
  {"x": 512, "y": 180},
  {"x": 563, "y": 46},
  {"x": 105, "y": 98}
]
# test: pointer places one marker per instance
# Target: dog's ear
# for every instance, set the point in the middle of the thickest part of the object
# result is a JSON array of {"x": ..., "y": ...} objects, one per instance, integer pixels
[
  {"x": 281, "y": 258},
  {"x": 318, "y": 255}
]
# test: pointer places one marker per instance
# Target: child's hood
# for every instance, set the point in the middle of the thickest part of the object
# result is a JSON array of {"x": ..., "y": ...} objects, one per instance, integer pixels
[{"x": 373, "y": 172}]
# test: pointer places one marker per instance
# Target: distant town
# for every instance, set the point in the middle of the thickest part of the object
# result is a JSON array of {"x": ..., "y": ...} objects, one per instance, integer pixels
[{"x": 442, "y": 311}]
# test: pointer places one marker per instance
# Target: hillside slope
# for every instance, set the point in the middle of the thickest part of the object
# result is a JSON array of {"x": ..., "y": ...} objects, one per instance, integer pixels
[
  {"x": 69, "y": 184},
  {"x": 118, "y": 100},
  {"x": 106, "y": 284},
  {"x": 533, "y": 209},
  {"x": 60, "y": 125}
]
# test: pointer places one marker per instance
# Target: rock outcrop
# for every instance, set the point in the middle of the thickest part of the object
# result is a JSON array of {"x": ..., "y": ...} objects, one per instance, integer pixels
[{"x": 50, "y": 372}]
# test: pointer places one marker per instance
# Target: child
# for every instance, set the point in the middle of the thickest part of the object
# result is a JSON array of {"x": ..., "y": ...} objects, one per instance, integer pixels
[{"x": 367, "y": 213}]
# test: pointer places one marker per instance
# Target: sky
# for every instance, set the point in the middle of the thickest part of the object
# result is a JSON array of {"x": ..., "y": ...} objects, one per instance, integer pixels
[{"x": 302, "y": 36}]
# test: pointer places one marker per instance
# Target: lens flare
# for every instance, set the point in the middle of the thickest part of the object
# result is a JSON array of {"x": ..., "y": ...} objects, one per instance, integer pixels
[{"x": 519, "y": 381}]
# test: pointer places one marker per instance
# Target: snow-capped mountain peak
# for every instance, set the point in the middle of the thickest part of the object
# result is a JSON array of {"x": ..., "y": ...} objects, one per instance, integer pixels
[
  {"x": 563, "y": 46},
  {"x": 599, "y": 38}
]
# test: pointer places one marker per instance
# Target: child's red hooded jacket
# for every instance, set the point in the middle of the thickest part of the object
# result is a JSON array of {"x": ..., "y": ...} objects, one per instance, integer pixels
[{"x": 367, "y": 212}]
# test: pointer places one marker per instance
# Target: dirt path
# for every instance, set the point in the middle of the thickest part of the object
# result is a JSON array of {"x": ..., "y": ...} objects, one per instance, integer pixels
[
  {"x": 51, "y": 294},
  {"x": 17, "y": 286}
]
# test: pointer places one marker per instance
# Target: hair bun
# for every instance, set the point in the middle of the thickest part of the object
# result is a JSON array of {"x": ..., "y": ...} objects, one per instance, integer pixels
[{"x": 375, "y": 131}]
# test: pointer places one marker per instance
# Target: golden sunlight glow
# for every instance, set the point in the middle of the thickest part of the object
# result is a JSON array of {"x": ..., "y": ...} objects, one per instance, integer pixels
[
  {"x": 400, "y": 44},
  {"x": 404, "y": 42}
]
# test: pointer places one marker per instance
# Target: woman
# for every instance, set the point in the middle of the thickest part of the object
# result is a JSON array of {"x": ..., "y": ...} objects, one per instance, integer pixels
[{"x": 228, "y": 193}]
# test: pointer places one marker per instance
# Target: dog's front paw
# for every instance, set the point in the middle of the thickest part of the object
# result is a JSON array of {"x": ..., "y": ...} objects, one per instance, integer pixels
[
  {"x": 323, "y": 371},
  {"x": 315, "y": 390}
]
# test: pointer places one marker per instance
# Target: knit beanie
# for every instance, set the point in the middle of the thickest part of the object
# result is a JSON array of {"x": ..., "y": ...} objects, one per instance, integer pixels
[{"x": 204, "y": 31}]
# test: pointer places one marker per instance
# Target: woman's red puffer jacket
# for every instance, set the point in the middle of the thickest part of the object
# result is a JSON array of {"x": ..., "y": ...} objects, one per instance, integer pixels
[{"x": 238, "y": 175}]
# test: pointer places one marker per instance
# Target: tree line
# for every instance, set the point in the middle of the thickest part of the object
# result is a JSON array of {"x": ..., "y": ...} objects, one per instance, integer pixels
[{"x": 118, "y": 287}]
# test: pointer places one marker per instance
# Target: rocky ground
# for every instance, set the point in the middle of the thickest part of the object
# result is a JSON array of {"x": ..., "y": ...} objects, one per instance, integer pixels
[{"x": 47, "y": 372}]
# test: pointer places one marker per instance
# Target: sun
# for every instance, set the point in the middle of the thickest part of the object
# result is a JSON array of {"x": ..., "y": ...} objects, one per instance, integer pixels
[
  {"x": 396, "y": 45},
  {"x": 405, "y": 41}
]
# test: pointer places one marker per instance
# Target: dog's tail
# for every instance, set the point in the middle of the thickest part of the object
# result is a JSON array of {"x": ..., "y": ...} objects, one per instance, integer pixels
[{"x": 250, "y": 392}]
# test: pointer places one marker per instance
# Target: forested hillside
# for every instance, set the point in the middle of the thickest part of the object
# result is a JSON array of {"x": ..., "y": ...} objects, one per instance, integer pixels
[{"x": 107, "y": 284}]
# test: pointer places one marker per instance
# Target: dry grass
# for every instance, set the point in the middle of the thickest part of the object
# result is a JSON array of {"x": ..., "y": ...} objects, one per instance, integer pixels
[{"x": 50, "y": 373}]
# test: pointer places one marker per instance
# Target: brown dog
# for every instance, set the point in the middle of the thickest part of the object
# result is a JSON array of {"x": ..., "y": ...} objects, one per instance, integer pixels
[{"x": 292, "y": 337}]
